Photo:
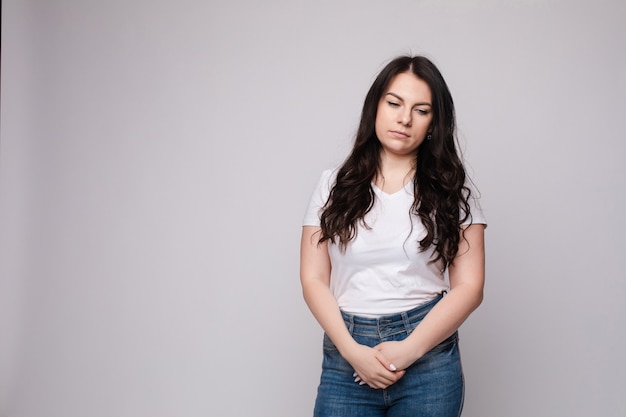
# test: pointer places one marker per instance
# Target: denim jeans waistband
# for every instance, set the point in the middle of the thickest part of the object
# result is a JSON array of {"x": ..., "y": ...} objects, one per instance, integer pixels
[{"x": 385, "y": 326}]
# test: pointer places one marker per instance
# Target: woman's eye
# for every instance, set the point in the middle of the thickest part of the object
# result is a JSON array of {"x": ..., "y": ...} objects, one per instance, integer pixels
[
  {"x": 423, "y": 112},
  {"x": 393, "y": 103}
]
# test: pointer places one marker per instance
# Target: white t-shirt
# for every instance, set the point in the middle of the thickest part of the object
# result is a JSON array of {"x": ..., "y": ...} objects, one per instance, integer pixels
[{"x": 382, "y": 270}]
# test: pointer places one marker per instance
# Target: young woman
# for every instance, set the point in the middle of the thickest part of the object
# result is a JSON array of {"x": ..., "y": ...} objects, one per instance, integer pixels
[{"x": 379, "y": 235}]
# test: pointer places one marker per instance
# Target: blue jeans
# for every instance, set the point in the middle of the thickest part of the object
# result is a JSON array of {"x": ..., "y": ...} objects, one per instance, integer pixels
[{"x": 432, "y": 386}]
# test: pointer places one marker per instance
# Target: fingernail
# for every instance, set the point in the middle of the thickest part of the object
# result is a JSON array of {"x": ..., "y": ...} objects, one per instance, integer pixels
[
  {"x": 361, "y": 383},
  {"x": 393, "y": 367},
  {"x": 354, "y": 374}
]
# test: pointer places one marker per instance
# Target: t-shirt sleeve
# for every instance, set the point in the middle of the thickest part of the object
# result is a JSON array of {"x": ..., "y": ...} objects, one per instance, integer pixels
[
  {"x": 318, "y": 199},
  {"x": 476, "y": 212}
]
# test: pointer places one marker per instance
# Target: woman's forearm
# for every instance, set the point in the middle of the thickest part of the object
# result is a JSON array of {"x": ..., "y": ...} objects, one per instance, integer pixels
[
  {"x": 444, "y": 319},
  {"x": 325, "y": 310},
  {"x": 467, "y": 276}
]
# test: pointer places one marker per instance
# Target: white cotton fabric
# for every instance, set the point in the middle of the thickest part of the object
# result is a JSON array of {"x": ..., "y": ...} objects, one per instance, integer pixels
[{"x": 382, "y": 270}]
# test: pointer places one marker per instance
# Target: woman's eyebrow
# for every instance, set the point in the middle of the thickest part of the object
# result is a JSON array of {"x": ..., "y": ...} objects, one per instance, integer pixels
[
  {"x": 395, "y": 95},
  {"x": 401, "y": 99}
]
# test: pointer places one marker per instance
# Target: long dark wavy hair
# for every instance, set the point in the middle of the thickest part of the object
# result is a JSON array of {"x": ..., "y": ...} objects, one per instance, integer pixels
[{"x": 441, "y": 196}]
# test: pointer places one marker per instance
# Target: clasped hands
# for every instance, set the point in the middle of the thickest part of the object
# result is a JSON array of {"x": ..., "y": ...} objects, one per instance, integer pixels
[{"x": 379, "y": 366}]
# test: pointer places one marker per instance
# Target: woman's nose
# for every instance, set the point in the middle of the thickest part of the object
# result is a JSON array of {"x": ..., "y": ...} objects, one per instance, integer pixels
[{"x": 405, "y": 118}]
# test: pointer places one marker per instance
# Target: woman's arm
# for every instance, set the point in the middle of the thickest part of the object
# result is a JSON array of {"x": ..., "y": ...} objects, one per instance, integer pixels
[
  {"x": 370, "y": 364},
  {"x": 467, "y": 277}
]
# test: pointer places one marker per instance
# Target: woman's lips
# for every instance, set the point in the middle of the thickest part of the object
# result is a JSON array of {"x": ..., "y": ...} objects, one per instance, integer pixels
[{"x": 398, "y": 134}]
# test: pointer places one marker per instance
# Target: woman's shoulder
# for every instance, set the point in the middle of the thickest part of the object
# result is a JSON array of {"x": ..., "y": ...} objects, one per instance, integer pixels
[
  {"x": 328, "y": 177},
  {"x": 319, "y": 197}
]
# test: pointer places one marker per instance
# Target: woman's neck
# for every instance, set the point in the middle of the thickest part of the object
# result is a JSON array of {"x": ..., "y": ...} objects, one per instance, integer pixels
[{"x": 394, "y": 172}]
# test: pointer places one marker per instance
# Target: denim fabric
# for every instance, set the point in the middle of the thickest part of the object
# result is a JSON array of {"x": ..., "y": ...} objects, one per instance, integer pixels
[{"x": 432, "y": 386}]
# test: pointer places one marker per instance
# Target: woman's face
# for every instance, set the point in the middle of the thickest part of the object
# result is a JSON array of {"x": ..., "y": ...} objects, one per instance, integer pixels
[{"x": 404, "y": 115}]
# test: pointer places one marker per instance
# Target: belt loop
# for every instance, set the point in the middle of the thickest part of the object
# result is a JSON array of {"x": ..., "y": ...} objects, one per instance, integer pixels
[
  {"x": 407, "y": 322},
  {"x": 350, "y": 323}
]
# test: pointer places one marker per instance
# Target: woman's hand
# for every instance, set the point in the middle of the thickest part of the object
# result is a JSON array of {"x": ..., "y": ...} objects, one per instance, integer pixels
[
  {"x": 398, "y": 353},
  {"x": 372, "y": 367}
]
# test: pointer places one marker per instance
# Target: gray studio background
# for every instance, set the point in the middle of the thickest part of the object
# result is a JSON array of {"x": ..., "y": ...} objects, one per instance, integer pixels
[{"x": 156, "y": 159}]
